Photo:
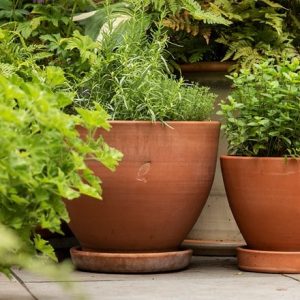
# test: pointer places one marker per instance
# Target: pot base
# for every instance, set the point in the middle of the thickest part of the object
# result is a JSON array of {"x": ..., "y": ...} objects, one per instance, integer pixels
[
  {"x": 212, "y": 247},
  {"x": 268, "y": 261},
  {"x": 155, "y": 262}
]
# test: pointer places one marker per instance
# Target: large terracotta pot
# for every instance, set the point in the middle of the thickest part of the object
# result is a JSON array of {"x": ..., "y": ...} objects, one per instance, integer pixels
[
  {"x": 264, "y": 195},
  {"x": 158, "y": 191}
]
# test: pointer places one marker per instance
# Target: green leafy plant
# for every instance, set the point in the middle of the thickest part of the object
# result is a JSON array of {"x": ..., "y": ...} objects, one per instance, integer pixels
[
  {"x": 263, "y": 112},
  {"x": 35, "y": 18},
  {"x": 42, "y": 24},
  {"x": 243, "y": 31},
  {"x": 184, "y": 16},
  {"x": 42, "y": 157},
  {"x": 292, "y": 20},
  {"x": 187, "y": 15},
  {"x": 257, "y": 30},
  {"x": 42, "y": 154},
  {"x": 129, "y": 78},
  {"x": 19, "y": 58}
]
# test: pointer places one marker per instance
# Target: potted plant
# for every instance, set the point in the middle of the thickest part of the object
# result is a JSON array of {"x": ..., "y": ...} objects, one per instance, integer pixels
[
  {"x": 155, "y": 197},
  {"x": 209, "y": 39},
  {"x": 262, "y": 171}
]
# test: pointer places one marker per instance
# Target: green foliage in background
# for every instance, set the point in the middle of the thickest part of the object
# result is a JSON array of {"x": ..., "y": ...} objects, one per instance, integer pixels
[
  {"x": 262, "y": 114},
  {"x": 43, "y": 25},
  {"x": 257, "y": 30},
  {"x": 182, "y": 13},
  {"x": 34, "y": 20},
  {"x": 245, "y": 31}
]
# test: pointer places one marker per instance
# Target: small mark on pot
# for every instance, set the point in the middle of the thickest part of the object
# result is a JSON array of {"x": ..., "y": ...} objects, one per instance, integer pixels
[{"x": 143, "y": 172}]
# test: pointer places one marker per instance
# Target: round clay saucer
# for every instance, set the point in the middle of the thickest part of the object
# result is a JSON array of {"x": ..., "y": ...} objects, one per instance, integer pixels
[
  {"x": 155, "y": 262},
  {"x": 268, "y": 261}
]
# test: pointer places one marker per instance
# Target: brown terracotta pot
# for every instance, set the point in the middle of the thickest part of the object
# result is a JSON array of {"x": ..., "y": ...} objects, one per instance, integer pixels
[
  {"x": 264, "y": 195},
  {"x": 208, "y": 66},
  {"x": 158, "y": 191}
]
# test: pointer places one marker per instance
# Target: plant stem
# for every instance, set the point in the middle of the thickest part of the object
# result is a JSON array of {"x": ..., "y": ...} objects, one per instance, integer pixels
[{"x": 71, "y": 18}]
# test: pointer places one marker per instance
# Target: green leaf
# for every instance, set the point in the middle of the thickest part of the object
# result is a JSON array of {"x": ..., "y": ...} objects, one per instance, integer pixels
[
  {"x": 44, "y": 247},
  {"x": 94, "y": 118},
  {"x": 54, "y": 76},
  {"x": 272, "y": 4}
]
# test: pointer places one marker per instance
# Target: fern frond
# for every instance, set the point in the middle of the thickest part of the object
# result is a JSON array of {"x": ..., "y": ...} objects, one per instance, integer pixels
[
  {"x": 244, "y": 52},
  {"x": 173, "y": 6},
  {"x": 224, "y": 8},
  {"x": 7, "y": 70},
  {"x": 196, "y": 57},
  {"x": 275, "y": 21},
  {"x": 195, "y": 9},
  {"x": 210, "y": 18},
  {"x": 272, "y": 4}
]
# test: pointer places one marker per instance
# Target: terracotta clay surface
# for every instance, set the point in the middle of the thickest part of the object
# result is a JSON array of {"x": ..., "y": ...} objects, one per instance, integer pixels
[
  {"x": 157, "y": 193},
  {"x": 130, "y": 262},
  {"x": 209, "y": 66},
  {"x": 268, "y": 261},
  {"x": 264, "y": 195}
]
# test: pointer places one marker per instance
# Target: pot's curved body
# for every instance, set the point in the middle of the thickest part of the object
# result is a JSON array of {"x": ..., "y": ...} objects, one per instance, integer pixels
[
  {"x": 264, "y": 195},
  {"x": 158, "y": 191}
]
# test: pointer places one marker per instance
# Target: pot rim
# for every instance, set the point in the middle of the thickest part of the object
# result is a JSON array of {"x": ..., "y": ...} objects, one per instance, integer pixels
[
  {"x": 260, "y": 158},
  {"x": 208, "y": 66},
  {"x": 160, "y": 122}
]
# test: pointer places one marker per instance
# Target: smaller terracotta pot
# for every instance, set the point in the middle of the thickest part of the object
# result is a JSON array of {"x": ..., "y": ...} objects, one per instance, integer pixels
[{"x": 263, "y": 194}]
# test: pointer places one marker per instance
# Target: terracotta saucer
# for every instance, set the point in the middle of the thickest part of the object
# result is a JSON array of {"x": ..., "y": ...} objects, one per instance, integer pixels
[
  {"x": 268, "y": 261},
  {"x": 130, "y": 262}
]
